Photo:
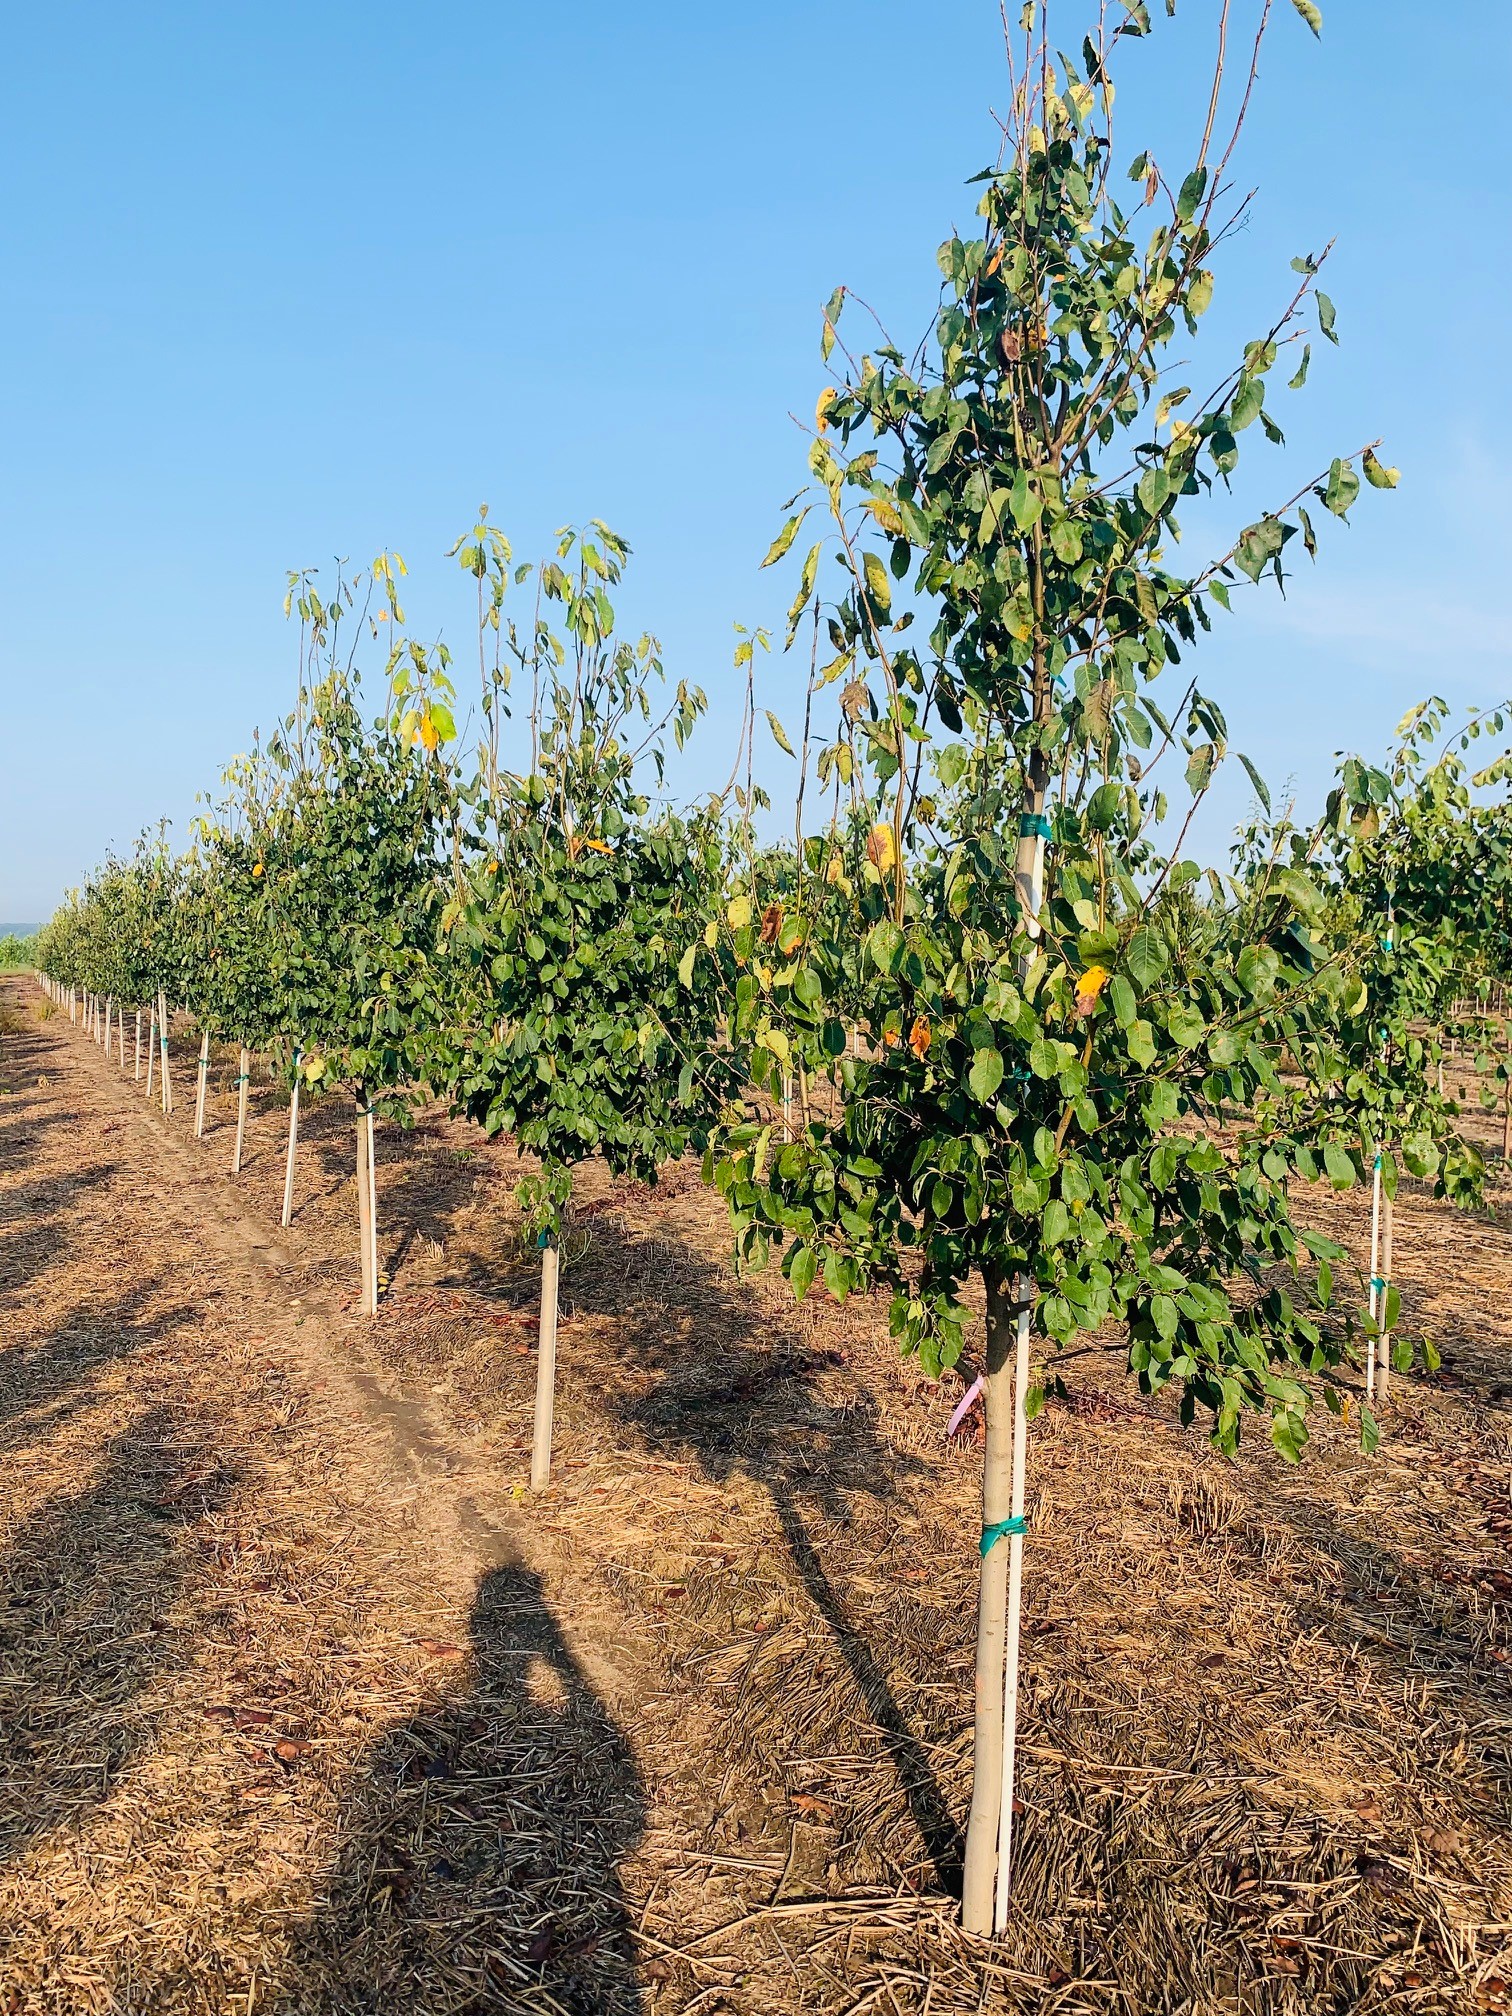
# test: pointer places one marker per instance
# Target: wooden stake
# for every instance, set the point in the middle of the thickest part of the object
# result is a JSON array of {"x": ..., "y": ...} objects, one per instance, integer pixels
[
  {"x": 288, "y": 1203},
  {"x": 1015, "y": 1607},
  {"x": 241, "y": 1110},
  {"x": 982, "y": 1827},
  {"x": 1507, "y": 1099},
  {"x": 199, "y": 1096},
  {"x": 367, "y": 1244},
  {"x": 989, "y": 1832},
  {"x": 121, "y": 1038},
  {"x": 1375, "y": 1257},
  {"x": 109, "y": 1012},
  {"x": 151, "y": 1047},
  {"x": 136, "y": 1073},
  {"x": 165, "y": 1085},
  {"x": 545, "y": 1398},
  {"x": 1388, "y": 1215}
]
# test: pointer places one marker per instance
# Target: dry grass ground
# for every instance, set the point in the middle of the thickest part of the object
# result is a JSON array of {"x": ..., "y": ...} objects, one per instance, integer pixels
[{"x": 307, "y": 1708}]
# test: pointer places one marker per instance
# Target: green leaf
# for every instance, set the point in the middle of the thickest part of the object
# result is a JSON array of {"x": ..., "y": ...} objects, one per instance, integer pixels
[
  {"x": 1311, "y": 13},
  {"x": 1326, "y": 312},
  {"x": 1289, "y": 1434},
  {"x": 685, "y": 964},
  {"x": 805, "y": 1266},
  {"x": 1145, "y": 957},
  {"x": 1299, "y": 377},
  {"x": 1190, "y": 194},
  {"x": 1121, "y": 994},
  {"x": 779, "y": 734},
  {"x": 878, "y": 586},
  {"x": 780, "y": 545},
  {"x": 1258, "y": 782},
  {"x": 1341, "y": 1169},
  {"x": 1378, "y": 475},
  {"x": 832, "y": 309},
  {"x": 985, "y": 1075},
  {"x": 1370, "y": 1434},
  {"x": 1341, "y": 489},
  {"x": 1043, "y": 1061}
]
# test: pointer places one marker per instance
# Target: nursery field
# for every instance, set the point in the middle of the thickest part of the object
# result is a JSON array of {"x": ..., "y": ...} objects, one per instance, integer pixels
[{"x": 310, "y": 1708}]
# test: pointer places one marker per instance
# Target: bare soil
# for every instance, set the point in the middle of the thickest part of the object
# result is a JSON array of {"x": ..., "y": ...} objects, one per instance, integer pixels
[{"x": 307, "y": 1706}]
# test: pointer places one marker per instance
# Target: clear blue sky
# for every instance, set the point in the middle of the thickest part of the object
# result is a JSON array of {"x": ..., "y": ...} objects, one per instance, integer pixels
[{"x": 289, "y": 281}]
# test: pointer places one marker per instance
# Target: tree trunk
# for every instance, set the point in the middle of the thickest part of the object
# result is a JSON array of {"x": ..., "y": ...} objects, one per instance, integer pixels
[
  {"x": 288, "y": 1196},
  {"x": 545, "y": 1400},
  {"x": 199, "y": 1096},
  {"x": 241, "y": 1110},
  {"x": 982, "y": 1827}
]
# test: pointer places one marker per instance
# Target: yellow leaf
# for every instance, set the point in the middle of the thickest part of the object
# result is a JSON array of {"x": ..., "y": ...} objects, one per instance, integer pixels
[
  {"x": 739, "y": 913},
  {"x": 711, "y": 935},
  {"x": 822, "y": 405},
  {"x": 881, "y": 848}
]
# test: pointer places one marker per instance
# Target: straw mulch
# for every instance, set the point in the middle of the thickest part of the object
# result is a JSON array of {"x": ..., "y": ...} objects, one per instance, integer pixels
[{"x": 315, "y": 1711}]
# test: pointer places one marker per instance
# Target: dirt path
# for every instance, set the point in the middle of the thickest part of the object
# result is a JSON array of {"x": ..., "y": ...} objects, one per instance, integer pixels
[
  {"x": 308, "y": 1709},
  {"x": 259, "y": 1621}
]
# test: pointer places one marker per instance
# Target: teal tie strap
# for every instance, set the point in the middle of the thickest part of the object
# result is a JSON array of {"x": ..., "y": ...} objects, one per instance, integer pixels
[
  {"x": 992, "y": 1534},
  {"x": 1033, "y": 826},
  {"x": 1378, "y": 1284},
  {"x": 543, "y": 1241}
]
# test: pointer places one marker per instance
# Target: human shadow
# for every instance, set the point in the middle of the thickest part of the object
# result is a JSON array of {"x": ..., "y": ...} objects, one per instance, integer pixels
[
  {"x": 87, "y": 1583},
  {"x": 481, "y": 1842},
  {"x": 755, "y": 1408}
]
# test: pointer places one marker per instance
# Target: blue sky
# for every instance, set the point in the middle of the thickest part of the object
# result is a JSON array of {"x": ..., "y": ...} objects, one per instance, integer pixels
[{"x": 285, "y": 282}]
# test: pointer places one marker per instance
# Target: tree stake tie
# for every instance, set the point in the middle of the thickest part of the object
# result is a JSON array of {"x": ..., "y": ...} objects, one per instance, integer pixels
[
  {"x": 1033, "y": 826},
  {"x": 1000, "y": 1530},
  {"x": 968, "y": 1400}
]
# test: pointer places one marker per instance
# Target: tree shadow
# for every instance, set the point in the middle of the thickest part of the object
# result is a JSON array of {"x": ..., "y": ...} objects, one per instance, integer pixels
[
  {"x": 480, "y": 1844},
  {"x": 750, "y": 1405},
  {"x": 40, "y": 1380},
  {"x": 86, "y": 1583}
]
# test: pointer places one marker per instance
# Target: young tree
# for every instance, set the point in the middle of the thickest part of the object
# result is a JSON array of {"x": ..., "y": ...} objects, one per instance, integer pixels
[
  {"x": 1039, "y": 1103},
  {"x": 556, "y": 1013}
]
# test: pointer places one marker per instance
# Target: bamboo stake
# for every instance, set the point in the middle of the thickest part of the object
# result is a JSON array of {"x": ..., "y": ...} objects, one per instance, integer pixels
[
  {"x": 545, "y": 1398},
  {"x": 199, "y": 1096},
  {"x": 1375, "y": 1257},
  {"x": 151, "y": 1046},
  {"x": 241, "y": 1110},
  {"x": 109, "y": 1011},
  {"x": 136, "y": 1074},
  {"x": 288, "y": 1201},
  {"x": 121, "y": 1037}
]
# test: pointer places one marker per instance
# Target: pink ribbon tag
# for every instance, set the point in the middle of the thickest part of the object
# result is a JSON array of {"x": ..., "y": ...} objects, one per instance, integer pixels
[{"x": 969, "y": 1399}]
